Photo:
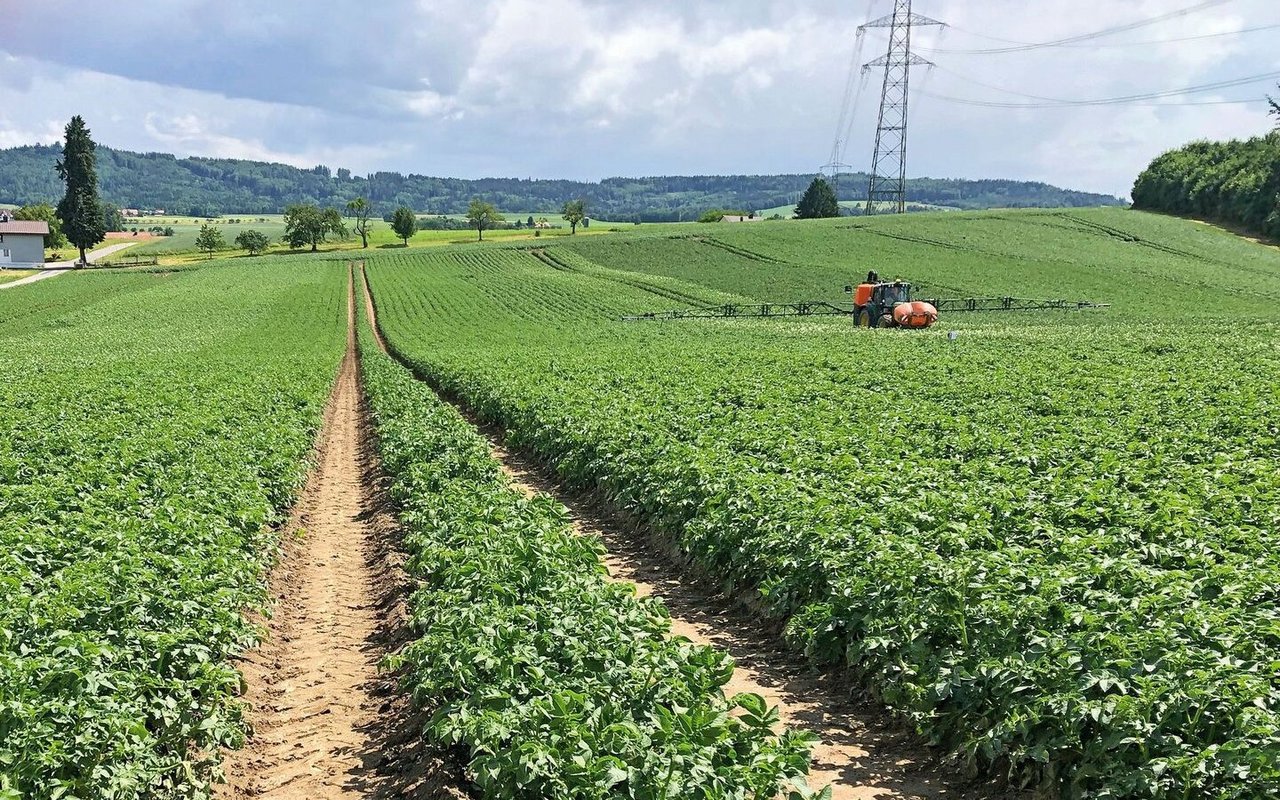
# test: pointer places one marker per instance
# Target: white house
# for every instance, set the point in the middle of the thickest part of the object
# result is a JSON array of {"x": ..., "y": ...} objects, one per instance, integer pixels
[{"x": 21, "y": 243}]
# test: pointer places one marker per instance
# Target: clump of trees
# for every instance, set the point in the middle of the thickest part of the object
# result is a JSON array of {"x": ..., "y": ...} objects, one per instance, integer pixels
[
  {"x": 718, "y": 214},
  {"x": 43, "y": 212},
  {"x": 254, "y": 242},
  {"x": 1235, "y": 182},
  {"x": 819, "y": 201},
  {"x": 307, "y": 224}
]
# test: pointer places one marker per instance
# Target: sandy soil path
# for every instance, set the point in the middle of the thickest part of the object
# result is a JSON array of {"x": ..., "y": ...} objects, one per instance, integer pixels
[
  {"x": 864, "y": 755},
  {"x": 326, "y": 722}
]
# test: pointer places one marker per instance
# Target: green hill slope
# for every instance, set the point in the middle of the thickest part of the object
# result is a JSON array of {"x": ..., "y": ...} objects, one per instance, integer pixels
[
  {"x": 1148, "y": 266},
  {"x": 208, "y": 186},
  {"x": 1050, "y": 544}
]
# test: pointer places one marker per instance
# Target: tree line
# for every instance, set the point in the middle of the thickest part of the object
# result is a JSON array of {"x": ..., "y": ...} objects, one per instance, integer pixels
[
  {"x": 1236, "y": 182},
  {"x": 204, "y": 187},
  {"x": 83, "y": 219}
]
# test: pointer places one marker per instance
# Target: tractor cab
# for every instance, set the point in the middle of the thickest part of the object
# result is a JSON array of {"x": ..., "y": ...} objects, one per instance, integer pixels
[{"x": 888, "y": 304}]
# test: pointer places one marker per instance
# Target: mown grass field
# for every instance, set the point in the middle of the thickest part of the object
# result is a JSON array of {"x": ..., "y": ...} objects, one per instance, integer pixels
[
  {"x": 181, "y": 247},
  {"x": 7, "y": 275}
]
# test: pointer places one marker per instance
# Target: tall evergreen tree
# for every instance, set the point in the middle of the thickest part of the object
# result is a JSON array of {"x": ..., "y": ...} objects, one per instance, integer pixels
[
  {"x": 819, "y": 201},
  {"x": 1275, "y": 109},
  {"x": 83, "y": 222}
]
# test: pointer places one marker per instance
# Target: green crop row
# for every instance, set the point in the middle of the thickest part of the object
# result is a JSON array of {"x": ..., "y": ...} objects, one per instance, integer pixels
[
  {"x": 1051, "y": 545},
  {"x": 153, "y": 429},
  {"x": 557, "y": 682}
]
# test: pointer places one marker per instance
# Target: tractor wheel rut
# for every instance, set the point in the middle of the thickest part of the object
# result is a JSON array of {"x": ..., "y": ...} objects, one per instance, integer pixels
[
  {"x": 326, "y": 721},
  {"x": 864, "y": 754}
]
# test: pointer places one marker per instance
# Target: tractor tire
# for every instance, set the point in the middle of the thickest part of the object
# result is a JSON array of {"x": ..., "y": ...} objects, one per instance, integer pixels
[{"x": 865, "y": 319}]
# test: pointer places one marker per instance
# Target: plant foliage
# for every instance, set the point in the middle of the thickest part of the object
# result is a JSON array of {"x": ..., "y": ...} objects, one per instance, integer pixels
[
  {"x": 558, "y": 682},
  {"x": 1050, "y": 544},
  {"x": 154, "y": 431},
  {"x": 81, "y": 210},
  {"x": 1237, "y": 182}
]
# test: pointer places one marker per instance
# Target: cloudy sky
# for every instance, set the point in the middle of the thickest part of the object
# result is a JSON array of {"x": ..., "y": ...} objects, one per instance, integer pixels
[{"x": 596, "y": 88}]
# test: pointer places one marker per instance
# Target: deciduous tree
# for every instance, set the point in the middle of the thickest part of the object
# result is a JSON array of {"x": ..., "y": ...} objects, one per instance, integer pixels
[
  {"x": 307, "y": 224},
  {"x": 405, "y": 223},
  {"x": 574, "y": 212},
  {"x": 80, "y": 209},
  {"x": 361, "y": 210},
  {"x": 819, "y": 201},
  {"x": 255, "y": 242},
  {"x": 210, "y": 240},
  {"x": 483, "y": 216},
  {"x": 112, "y": 217},
  {"x": 43, "y": 212}
]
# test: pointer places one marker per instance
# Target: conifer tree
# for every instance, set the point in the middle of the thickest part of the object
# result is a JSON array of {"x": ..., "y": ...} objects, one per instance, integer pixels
[
  {"x": 819, "y": 201},
  {"x": 83, "y": 222}
]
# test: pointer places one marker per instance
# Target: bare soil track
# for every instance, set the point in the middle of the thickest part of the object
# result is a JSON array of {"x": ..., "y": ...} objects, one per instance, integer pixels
[
  {"x": 864, "y": 754},
  {"x": 327, "y": 723}
]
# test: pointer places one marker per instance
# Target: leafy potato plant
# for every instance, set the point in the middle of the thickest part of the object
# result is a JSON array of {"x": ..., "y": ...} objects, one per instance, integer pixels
[
  {"x": 155, "y": 430},
  {"x": 556, "y": 682},
  {"x": 1051, "y": 543}
]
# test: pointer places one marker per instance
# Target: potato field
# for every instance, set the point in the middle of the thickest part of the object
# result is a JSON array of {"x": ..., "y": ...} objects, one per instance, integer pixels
[
  {"x": 154, "y": 427},
  {"x": 1050, "y": 543},
  {"x": 1046, "y": 542}
]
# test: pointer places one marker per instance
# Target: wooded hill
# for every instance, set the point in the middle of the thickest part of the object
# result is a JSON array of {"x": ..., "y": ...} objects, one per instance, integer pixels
[
  {"x": 210, "y": 186},
  {"x": 1236, "y": 182}
]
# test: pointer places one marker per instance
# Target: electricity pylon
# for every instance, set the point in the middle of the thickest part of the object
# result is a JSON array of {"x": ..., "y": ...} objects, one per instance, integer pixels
[{"x": 889, "y": 163}]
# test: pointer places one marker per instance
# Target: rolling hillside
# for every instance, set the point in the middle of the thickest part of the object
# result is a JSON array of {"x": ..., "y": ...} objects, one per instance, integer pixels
[{"x": 208, "y": 187}]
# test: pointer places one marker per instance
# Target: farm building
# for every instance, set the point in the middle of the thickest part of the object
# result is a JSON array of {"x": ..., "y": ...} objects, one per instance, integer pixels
[{"x": 22, "y": 242}]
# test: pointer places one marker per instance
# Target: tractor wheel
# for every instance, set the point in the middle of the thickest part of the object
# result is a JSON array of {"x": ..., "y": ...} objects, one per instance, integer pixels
[{"x": 865, "y": 319}]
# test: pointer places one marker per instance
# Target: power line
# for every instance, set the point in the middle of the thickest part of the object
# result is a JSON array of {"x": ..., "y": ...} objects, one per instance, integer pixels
[
  {"x": 1147, "y": 42},
  {"x": 1057, "y": 102},
  {"x": 1042, "y": 106},
  {"x": 1021, "y": 47}
]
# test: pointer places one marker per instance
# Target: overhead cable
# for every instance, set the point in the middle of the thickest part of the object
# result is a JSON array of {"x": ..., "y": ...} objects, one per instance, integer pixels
[
  {"x": 1020, "y": 47},
  {"x": 1058, "y": 102},
  {"x": 1143, "y": 43}
]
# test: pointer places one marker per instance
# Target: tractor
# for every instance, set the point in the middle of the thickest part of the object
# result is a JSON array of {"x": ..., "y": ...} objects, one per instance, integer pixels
[{"x": 888, "y": 304}]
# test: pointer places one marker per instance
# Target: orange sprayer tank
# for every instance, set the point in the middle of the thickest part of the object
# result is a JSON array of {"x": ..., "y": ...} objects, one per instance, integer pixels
[
  {"x": 915, "y": 315},
  {"x": 862, "y": 295}
]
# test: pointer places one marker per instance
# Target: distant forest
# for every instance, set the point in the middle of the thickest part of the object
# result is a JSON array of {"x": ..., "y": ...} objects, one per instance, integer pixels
[
  {"x": 207, "y": 187},
  {"x": 1236, "y": 182}
]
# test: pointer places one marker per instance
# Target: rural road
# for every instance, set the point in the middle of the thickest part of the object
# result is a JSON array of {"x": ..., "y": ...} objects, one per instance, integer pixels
[
  {"x": 109, "y": 250},
  {"x": 93, "y": 256}
]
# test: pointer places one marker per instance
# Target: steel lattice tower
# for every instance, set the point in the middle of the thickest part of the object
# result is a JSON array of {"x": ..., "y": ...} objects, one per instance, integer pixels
[{"x": 889, "y": 163}]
